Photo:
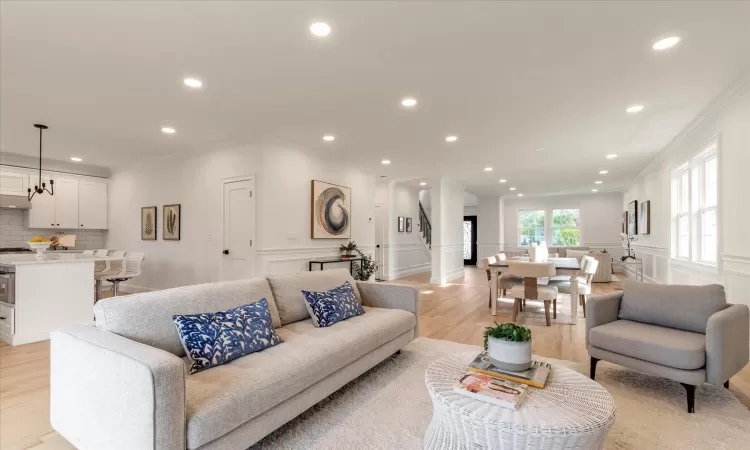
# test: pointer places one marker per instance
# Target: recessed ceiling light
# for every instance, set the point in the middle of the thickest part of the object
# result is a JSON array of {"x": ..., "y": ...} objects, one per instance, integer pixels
[
  {"x": 611, "y": 156},
  {"x": 598, "y": 182},
  {"x": 512, "y": 188},
  {"x": 520, "y": 195},
  {"x": 502, "y": 181},
  {"x": 540, "y": 149},
  {"x": 423, "y": 184},
  {"x": 329, "y": 138},
  {"x": 451, "y": 138},
  {"x": 409, "y": 102},
  {"x": 603, "y": 172},
  {"x": 385, "y": 162},
  {"x": 666, "y": 43},
  {"x": 488, "y": 169},
  {"x": 320, "y": 29},
  {"x": 75, "y": 159},
  {"x": 595, "y": 190},
  {"x": 193, "y": 83},
  {"x": 168, "y": 130},
  {"x": 634, "y": 109}
]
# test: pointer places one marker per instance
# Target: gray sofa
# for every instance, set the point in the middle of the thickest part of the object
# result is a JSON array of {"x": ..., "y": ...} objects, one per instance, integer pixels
[
  {"x": 688, "y": 334},
  {"x": 124, "y": 384}
]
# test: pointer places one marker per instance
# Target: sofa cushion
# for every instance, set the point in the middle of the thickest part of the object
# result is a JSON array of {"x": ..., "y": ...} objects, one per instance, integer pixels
[
  {"x": 577, "y": 254},
  {"x": 213, "y": 339},
  {"x": 682, "y": 307},
  {"x": 287, "y": 290},
  {"x": 659, "y": 345},
  {"x": 334, "y": 305},
  {"x": 147, "y": 317},
  {"x": 225, "y": 397}
]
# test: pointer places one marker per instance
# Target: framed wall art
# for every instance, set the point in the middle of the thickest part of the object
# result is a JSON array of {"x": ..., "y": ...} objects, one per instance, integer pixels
[
  {"x": 644, "y": 226},
  {"x": 633, "y": 218},
  {"x": 148, "y": 223},
  {"x": 408, "y": 224},
  {"x": 172, "y": 222},
  {"x": 331, "y": 209},
  {"x": 400, "y": 224}
]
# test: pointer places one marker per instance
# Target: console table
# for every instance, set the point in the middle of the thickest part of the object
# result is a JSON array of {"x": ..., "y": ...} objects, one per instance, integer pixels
[
  {"x": 636, "y": 263},
  {"x": 335, "y": 259}
]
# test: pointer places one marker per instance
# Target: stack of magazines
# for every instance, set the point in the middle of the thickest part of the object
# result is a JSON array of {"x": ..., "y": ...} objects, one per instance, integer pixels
[{"x": 485, "y": 382}]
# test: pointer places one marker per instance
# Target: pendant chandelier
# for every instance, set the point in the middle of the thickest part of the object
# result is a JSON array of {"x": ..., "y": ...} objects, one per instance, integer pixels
[{"x": 41, "y": 187}]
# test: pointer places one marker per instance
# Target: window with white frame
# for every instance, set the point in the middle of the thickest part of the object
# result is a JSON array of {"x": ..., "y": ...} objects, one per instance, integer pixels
[
  {"x": 530, "y": 226},
  {"x": 695, "y": 198},
  {"x": 566, "y": 227}
]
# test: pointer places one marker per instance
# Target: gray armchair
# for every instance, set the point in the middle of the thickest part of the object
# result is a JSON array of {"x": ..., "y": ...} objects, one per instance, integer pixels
[{"x": 688, "y": 334}]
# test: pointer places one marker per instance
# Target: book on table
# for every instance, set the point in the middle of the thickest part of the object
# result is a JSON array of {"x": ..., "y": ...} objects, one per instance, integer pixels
[
  {"x": 505, "y": 393},
  {"x": 535, "y": 376}
]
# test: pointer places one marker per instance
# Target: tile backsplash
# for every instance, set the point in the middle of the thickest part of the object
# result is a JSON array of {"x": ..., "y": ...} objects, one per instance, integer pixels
[{"x": 14, "y": 233}]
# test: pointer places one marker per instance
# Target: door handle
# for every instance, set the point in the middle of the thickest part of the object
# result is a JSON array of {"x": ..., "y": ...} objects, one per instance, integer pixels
[{"x": 226, "y": 252}]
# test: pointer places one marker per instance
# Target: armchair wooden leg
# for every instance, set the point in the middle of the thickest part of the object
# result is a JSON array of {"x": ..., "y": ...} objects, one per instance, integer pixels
[
  {"x": 592, "y": 368},
  {"x": 490, "y": 297},
  {"x": 726, "y": 385},
  {"x": 502, "y": 293},
  {"x": 583, "y": 304},
  {"x": 690, "y": 397},
  {"x": 554, "y": 309},
  {"x": 523, "y": 304},
  {"x": 546, "y": 311},
  {"x": 516, "y": 306}
]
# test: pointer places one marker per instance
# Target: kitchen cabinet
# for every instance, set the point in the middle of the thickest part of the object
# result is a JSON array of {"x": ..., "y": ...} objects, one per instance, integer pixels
[
  {"x": 56, "y": 211},
  {"x": 92, "y": 205},
  {"x": 14, "y": 183}
]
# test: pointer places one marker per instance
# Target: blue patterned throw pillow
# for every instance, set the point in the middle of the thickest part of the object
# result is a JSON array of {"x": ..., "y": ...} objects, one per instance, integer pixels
[
  {"x": 335, "y": 305},
  {"x": 212, "y": 339}
]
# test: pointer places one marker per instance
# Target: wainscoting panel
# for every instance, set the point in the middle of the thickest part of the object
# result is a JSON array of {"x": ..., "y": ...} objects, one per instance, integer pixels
[
  {"x": 737, "y": 278},
  {"x": 452, "y": 257},
  {"x": 406, "y": 260},
  {"x": 280, "y": 261}
]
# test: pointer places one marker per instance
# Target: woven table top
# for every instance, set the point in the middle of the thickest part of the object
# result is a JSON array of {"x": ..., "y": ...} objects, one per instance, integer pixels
[{"x": 570, "y": 403}]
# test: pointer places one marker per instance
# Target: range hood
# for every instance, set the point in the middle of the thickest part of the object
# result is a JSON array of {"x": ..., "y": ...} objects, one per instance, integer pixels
[{"x": 14, "y": 202}]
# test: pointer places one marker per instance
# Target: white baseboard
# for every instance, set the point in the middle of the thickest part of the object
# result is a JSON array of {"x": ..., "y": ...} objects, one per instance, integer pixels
[{"x": 450, "y": 276}]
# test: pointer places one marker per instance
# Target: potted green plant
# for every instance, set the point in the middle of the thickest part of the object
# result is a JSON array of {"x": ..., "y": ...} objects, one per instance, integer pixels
[
  {"x": 508, "y": 346},
  {"x": 348, "y": 249},
  {"x": 365, "y": 268}
]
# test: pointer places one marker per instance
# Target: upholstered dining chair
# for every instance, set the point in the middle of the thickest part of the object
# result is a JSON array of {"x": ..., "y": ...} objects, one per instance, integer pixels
[
  {"x": 530, "y": 289},
  {"x": 589, "y": 265},
  {"x": 505, "y": 280}
]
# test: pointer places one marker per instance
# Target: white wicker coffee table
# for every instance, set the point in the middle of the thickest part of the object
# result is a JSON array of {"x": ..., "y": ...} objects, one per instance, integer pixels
[{"x": 571, "y": 412}]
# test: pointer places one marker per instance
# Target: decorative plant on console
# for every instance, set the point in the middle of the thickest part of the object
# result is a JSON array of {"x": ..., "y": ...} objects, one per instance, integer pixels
[
  {"x": 508, "y": 346},
  {"x": 348, "y": 249},
  {"x": 365, "y": 268}
]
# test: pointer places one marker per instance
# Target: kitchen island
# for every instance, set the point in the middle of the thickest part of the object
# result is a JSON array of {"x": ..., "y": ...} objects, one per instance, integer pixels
[{"x": 43, "y": 293}]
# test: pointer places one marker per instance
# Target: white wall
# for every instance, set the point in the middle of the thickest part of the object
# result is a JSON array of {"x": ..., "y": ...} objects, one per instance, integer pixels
[
  {"x": 727, "y": 118},
  {"x": 282, "y": 187},
  {"x": 601, "y": 218},
  {"x": 405, "y": 253},
  {"x": 489, "y": 227},
  {"x": 447, "y": 232}
]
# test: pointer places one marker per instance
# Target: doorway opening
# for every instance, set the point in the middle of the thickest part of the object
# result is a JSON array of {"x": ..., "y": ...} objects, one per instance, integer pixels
[{"x": 470, "y": 240}]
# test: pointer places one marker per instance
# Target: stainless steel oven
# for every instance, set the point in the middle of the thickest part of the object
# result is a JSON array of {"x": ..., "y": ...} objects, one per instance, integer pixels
[{"x": 7, "y": 285}]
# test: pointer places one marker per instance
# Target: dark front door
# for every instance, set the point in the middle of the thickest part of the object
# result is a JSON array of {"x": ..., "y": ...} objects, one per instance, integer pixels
[{"x": 470, "y": 240}]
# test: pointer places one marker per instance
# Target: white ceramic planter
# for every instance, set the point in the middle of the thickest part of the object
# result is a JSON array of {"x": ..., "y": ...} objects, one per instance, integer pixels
[{"x": 508, "y": 355}]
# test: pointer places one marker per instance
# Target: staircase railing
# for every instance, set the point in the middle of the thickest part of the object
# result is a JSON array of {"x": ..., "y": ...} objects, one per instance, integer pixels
[{"x": 425, "y": 227}]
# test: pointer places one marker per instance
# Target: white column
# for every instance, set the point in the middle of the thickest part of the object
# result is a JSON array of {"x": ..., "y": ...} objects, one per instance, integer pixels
[{"x": 447, "y": 231}]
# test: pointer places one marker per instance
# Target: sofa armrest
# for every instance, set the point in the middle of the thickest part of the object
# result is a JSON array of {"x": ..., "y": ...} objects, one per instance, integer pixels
[
  {"x": 107, "y": 391},
  {"x": 393, "y": 296},
  {"x": 601, "y": 309},
  {"x": 727, "y": 343}
]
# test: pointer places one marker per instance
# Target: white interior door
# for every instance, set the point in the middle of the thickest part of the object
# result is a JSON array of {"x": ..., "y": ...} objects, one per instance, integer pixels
[
  {"x": 239, "y": 229},
  {"x": 378, "y": 255}
]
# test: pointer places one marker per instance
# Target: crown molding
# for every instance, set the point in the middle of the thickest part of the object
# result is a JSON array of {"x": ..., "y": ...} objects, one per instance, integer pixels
[{"x": 732, "y": 92}]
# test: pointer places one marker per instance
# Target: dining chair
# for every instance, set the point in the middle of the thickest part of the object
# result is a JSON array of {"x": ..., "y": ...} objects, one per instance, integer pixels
[
  {"x": 589, "y": 265},
  {"x": 101, "y": 252},
  {"x": 132, "y": 269},
  {"x": 486, "y": 263},
  {"x": 106, "y": 269},
  {"x": 530, "y": 289},
  {"x": 88, "y": 253}
]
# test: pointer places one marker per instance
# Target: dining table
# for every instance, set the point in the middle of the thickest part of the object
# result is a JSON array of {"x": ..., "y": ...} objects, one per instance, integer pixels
[{"x": 563, "y": 267}]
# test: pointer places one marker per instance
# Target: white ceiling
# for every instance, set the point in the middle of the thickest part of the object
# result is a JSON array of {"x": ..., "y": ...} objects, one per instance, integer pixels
[{"x": 507, "y": 77}]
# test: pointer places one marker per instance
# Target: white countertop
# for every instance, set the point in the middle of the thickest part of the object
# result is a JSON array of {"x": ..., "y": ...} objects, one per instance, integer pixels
[{"x": 51, "y": 258}]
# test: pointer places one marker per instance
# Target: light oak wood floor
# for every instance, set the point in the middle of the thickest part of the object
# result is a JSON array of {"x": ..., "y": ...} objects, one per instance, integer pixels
[{"x": 456, "y": 311}]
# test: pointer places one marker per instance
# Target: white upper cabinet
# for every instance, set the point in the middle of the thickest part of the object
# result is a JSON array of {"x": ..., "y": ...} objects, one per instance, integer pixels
[
  {"x": 92, "y": 205},
  {"x": 78, "y": 203},
  {"x": 66, "y": 203},
  {"x": 14, "y": 183},
  {"x": 42, "y": 212}
]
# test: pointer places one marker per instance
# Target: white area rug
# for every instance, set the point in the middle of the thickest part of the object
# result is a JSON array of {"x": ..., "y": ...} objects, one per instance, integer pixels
[{"x": 389, "y": 408}]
